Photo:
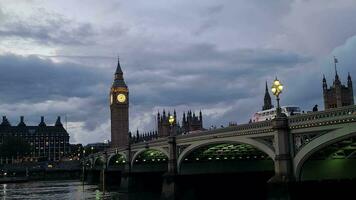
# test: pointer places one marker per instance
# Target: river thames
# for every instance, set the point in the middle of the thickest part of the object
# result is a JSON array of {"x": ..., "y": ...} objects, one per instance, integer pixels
[
  {"x": 75, "y": 190},
  {"x": 54, "y": 190}
]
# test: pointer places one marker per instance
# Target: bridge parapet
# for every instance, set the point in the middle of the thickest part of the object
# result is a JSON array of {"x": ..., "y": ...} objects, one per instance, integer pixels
[
  {"x": 243, "y": 129},
  {"x": 332, "y": 116}
]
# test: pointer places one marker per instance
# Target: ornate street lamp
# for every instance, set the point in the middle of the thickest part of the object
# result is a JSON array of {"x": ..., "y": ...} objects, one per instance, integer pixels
[{"x": 277, "y": 88}]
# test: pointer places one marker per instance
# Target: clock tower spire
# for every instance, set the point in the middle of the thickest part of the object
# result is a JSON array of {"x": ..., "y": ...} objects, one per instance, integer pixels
[{"x": 119, "y": 107}]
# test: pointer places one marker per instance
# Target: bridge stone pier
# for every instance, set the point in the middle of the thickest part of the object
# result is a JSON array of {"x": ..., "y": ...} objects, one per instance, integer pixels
[{"x": 286, "y": 146}]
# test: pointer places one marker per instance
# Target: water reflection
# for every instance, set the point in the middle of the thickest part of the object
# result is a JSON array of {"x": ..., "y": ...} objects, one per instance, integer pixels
[{"x": 53, "y": 190}]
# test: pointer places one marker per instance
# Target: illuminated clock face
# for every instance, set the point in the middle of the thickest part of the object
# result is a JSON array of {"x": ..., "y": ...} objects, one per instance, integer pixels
[
  {"x": 121, "y": 98},
  {"x": 111, "y": 99}
]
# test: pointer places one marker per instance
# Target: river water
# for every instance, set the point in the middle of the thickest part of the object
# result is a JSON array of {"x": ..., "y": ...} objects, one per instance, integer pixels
[
  {"x": 190, "y": 188},
  {"x": 54, "y": 190},
  {"x": 75, "y": 190}
]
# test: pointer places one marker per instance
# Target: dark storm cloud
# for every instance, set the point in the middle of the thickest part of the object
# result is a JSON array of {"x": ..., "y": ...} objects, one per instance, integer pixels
[
  {"x": 207, "y": 56},
  {"x": 32, "y": 79},
  {"x": 203, "y": 74},
  {"x": 52, "y": 30}
]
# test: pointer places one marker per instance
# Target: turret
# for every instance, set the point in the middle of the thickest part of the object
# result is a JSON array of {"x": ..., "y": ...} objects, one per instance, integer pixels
[
  {"x": 21, "y": 123},
  {"x": 267, "y": 100},
  {"x": 58, "y": 122},
  {"x": 325, "y": 85},
  {"x": 5, "y": 122},
  {"x": 119, "y": 78},
  {"x": 42, "y": 123}
]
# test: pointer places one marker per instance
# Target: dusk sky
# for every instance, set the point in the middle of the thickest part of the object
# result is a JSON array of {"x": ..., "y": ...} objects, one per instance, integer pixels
[{"x": 58, "y": 58}]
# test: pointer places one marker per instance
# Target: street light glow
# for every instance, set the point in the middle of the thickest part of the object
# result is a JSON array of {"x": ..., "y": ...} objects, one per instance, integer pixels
[
  {"x": 276, "y": 82},
  {"x": 277, "y": 87},
  {"x": 171, "y": 120}
]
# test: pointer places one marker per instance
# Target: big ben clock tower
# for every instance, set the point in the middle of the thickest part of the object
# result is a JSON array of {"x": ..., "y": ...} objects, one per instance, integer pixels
[{"x": 119, "y": 107}]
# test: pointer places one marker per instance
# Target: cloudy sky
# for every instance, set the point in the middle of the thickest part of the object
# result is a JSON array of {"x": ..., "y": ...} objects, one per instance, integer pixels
[{"x": 58, "y": 57}]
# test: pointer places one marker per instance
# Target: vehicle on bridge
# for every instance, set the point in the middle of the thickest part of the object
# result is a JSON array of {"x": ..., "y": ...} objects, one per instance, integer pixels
[{"x": 271, "y": 113}]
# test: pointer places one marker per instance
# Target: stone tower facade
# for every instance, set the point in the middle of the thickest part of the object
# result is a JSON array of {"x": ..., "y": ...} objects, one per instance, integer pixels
[
  {"x": 267, "y": 100},
  {"x": 338, "y": 95},
  {"x": 163, "y": 126},
  {"x": 191, "y": 122},
  {"x": 119, "y": 107}
]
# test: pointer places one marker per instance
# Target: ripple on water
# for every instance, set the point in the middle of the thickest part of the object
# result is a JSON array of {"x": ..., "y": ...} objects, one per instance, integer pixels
[{"x": 53, "y": 190}]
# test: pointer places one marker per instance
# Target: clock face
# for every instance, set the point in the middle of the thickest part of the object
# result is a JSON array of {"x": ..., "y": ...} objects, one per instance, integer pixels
[
  {"x": 111, "y": 99},
  {"x": 121, "y": 98}
]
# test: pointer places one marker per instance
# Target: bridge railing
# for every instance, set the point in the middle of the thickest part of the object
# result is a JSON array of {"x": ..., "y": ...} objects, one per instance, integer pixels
[
  {"x": 336, "y": 115},
  {"x": 242, "y": 129}
]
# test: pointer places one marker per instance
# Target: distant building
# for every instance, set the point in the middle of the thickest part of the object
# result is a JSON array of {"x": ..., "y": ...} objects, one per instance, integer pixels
[
  {"x": 47, "y": 142},
  {"x": 75, "y": 151},
  {"x": 96, "y": 147},
  {"x": 338, "y": 95},
  {"x": 190, "y": 122}
]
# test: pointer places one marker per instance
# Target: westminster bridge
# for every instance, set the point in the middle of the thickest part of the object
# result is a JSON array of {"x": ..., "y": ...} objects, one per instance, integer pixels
[{"x": 292, "y": 148}]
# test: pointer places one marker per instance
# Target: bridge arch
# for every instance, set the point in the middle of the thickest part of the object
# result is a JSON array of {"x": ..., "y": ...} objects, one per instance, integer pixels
[
  {"x": 254, "y": 143},
  {"x": 119, "y": 158},
  {"x": 319, "y": 143},
  {"x": 98, "y": 161},
  {"x": 160, "y": 149}
]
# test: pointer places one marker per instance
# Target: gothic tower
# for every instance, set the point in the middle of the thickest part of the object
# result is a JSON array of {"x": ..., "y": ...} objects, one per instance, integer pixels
[
  {"x": 267, "y": 100},
  {"x": 338, "y": 95},
  {"x": 163, "y": 126},
  {"x": 119, "y": 107}
]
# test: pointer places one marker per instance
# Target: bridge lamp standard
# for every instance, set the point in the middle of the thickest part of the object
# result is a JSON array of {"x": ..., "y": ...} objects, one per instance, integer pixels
[
  {"x": 171, "y": 121},
  {"x": 277, "y": 88}
]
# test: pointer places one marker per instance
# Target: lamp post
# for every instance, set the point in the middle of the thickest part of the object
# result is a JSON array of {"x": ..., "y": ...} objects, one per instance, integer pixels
[
  {"x": 83, "y": 172},
  {"x": 172, "y": 166},
  {"x": 283, "y": 161},
  {"x": 171, "y": 121},
  {"x": 277, "y": 88},
  {"x": 169, "y": 186}
]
